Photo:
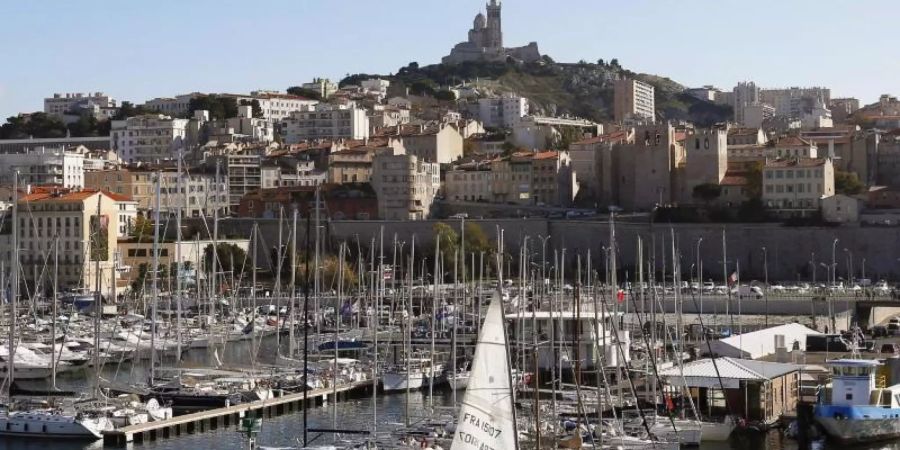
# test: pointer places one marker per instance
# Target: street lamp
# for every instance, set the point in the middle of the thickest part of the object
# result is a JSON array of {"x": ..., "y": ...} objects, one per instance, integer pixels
[
  {"x": 700, "y": 274},
  {"x": 833, "y": 263}
]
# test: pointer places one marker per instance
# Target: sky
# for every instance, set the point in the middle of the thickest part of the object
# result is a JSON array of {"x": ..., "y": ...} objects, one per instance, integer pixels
[{"x": 138, "y": 50}]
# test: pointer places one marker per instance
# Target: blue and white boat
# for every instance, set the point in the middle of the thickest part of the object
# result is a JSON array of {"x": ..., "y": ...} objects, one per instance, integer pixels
[{"x": 857, "y": 407}]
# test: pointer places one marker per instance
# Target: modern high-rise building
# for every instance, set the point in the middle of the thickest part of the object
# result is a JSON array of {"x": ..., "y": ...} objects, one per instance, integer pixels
[{"x": 634, "y": 101}]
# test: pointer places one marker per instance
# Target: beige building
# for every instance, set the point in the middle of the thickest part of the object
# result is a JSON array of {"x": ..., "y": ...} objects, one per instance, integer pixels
[
  {"x": 645, "y": 169},
  {"x": 200, "y": 194},
  {"x": 512, "y": 179},
  {"x": 634, "y": 101},
  {"x": 840, "y": 208},
  {"x": 795, "y": 186},
  {"x": 470, "y": 182},
  {"x": 706, "y": 160},
  {"x": 553, "y": 179},
  {"x": 440, "y": 143},
  {"x": 405, "y": 186},
  {"x": 71, "y": 218}
]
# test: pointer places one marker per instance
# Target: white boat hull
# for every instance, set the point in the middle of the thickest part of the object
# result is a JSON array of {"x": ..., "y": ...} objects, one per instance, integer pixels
[
  {"x": 868, "y": 430},
  {"x": 398, "y": 381},
  {"x": 45, "y": 425}
]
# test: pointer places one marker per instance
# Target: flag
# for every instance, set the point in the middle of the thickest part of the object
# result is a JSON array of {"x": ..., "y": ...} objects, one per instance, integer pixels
[
  {"x": 732, "y": 279},
  {"x": 620, "y": 295}
]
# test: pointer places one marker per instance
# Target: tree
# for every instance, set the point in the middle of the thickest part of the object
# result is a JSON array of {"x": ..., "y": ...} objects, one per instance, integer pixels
[
  {"x": 847, "y": 183},
  {"x": 329, "y": 271},
  {"x": 307, "y": 93},
  {"x": 614, "y": 63},
  {"x": 477, "y": 240},
  {"x": 255, "y": 110},
  {"x": 754, "y": 180},
  {"x": 128, "y": 109},
  {"x": 449, "y": 243},
  {"x": 142, "y": 231},
  {"x": 219, "y": 107},
  {"x": 231, "y": 258},
  {"x": 707, "y": 192},
  {"x": 37, "y": 125},
  {"x": 445, "y": 95}
]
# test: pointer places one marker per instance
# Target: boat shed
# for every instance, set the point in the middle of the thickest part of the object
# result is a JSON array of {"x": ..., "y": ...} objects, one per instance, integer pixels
[
  {"x": 758, "y": 391},
  {"x": 765, "y": 342}
]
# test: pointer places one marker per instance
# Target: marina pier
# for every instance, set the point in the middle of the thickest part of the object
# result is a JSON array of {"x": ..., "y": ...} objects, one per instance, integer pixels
[{"x": 224, "y": 417}]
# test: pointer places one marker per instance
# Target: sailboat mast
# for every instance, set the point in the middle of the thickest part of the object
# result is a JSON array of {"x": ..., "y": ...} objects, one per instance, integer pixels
[
  {"x": 55, "y": 313},
  {"x": 293, "y": 296},
  {"x": 155, "y": 280},
  {"x": 306, "y": 286},
  {"x": 434, "y": 305},
  {"x": 13, "y": 282},
  {"x": 277, "y": 293},
  {"x": 98, "y": 299},
  {"x": 179, "y": 210}
]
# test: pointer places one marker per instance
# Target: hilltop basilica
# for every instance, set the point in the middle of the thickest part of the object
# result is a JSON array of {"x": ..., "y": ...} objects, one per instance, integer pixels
[{"x": 486, "y": 42}]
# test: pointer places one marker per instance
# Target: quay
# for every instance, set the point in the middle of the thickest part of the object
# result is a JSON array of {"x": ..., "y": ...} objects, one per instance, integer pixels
[{"x": 223, "y": 417}]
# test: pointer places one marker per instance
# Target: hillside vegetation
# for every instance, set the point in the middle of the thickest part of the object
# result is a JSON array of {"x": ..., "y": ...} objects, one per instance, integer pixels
[{"x": 582, "y": 89}]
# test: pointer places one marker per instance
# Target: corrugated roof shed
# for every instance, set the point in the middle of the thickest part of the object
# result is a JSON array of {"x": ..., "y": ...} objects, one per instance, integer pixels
[
  {"x": 757, "y": 344},
  {"x": 731, "y": 371}
]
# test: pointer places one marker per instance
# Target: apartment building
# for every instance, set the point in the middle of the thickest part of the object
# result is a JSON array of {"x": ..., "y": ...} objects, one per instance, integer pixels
[
  {"x": 200, "y": 195},
  {"x": 326, "y": 121},
  {"x": 244, "y": 176},
  {"x": 178, "y": 106},
  {"x": 434, "y": 142},
  {"x": 84, "y": 237},
  {"x": 553, "y": 179},
  {"x": 511, "y": 182},
  {"x": 44, "y": 166},
  {"x": 405, "y": 186},
  {"x": 147, "y": 138},
  {"x": 63, "y": 104},
  {"x": 634, "y": 100},
  {"x": 794, "y": 186},
  {"x": 290, "y": 171},
  {"x": 503, "y": 111},
  {"x": 469, "y": 182}
]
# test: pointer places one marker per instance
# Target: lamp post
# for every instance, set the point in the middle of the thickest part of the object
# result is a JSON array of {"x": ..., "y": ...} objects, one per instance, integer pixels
[
  {"x": 833, "y": 263},
  {"x": 766, "y": 291},
  {"x": 700, "y": 274}
]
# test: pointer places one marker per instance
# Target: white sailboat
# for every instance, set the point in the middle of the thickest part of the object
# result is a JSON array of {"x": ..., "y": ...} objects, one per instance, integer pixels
[{"x": 486, "y": 417}]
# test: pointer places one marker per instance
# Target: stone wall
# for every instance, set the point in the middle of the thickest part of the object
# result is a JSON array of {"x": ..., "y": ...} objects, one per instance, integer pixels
[{"x": 789, "y": 250}]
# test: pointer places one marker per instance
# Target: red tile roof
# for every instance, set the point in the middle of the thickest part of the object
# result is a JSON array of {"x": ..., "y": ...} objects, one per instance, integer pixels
[{"x": 65, "y": 195}]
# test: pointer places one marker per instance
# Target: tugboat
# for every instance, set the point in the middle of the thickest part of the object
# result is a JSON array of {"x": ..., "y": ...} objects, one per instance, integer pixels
[{"x": 857, "y": 407}]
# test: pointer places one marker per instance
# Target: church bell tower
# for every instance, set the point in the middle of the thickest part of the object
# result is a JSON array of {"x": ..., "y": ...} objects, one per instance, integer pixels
[{"x": 494, "y": 31}]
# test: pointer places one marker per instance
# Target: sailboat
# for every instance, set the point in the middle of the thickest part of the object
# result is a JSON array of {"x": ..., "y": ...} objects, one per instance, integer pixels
[{"x": 487, "y": 415}]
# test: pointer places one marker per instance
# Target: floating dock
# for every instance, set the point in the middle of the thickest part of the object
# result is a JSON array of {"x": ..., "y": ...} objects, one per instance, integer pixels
[{"x": 223, "y": 417}]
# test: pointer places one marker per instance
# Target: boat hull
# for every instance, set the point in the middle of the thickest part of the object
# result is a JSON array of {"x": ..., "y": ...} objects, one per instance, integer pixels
[
  {"x": 853, "y": 424},
  {"x": 51, "y": 426}
]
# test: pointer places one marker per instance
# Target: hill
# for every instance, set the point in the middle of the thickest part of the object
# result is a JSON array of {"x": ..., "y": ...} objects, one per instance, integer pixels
[{"x": 581, "y": 89}]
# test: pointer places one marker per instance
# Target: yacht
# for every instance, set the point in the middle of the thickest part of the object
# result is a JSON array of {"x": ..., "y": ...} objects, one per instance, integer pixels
[{"x": 52, "y": 424}]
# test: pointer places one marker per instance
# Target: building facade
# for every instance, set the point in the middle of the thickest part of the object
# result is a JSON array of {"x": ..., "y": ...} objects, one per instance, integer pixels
[
  {"x": 795, "y": 186},
  {"x": 503, "y": 111},
  {"x": 43, "y": 166},
  {"x": 147, "y": 138},
  {"x": 634, "y": 101},
  {"x": 326, "y": 121},
  {"x": 405, "y": 186},
  {"x": 63, "y": 104}
]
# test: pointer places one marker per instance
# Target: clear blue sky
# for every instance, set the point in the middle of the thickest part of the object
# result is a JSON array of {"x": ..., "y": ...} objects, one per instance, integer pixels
[{"x": 136, "y": 50}]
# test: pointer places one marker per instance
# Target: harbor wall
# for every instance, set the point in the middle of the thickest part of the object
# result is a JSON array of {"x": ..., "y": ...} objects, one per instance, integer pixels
[{"x": 791, "y": 253}]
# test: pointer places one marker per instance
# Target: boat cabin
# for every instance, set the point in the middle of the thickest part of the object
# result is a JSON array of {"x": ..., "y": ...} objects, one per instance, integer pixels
[{"x": 857, "y": 382}]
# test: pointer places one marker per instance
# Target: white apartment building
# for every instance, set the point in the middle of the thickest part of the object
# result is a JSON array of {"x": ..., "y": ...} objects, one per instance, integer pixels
[
  {"x": 502, "y": 112},
  {"x": 148, "y": 138},
  {"x": 634, "y": 101},
  {"x": 248, "y": 127},
  {"x": 405, "y": 186},
  {"x": 277, "y": 106},
  {"x": 326, "y": 121},
  {"x": 288, "y": 172},
  {"x": 376, "y": 86},
  {"x": 200, "y": 194},
  {"x": 756, "y": 114},
  {"x": 796, "y": 185},
  {"x": 62, "y": 104},
  {"x": 172, "y": 106},
  {"x": 244, "y": 176},
  {"x": 43, "y": 166}
]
